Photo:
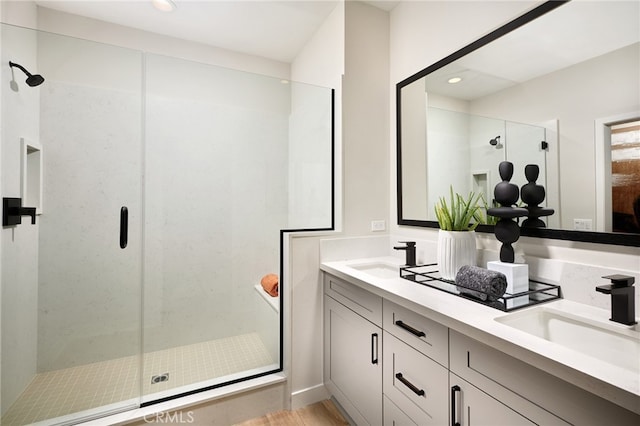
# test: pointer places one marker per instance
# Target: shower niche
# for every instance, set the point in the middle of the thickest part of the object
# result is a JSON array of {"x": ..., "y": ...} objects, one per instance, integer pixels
[
  {"x": 31, "y": 174},
  {"x": 480, "y": 184}
]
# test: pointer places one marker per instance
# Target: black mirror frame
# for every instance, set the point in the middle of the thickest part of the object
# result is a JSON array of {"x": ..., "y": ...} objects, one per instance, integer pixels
[{"x": 620, "y": 239}]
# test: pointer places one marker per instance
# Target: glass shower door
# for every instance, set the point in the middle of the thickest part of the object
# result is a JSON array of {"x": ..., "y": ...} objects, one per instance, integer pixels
[
  {"x": 231, "y": 159},
  {"x": 71, "y": 283},
  {"x": 216, "y": 160}
]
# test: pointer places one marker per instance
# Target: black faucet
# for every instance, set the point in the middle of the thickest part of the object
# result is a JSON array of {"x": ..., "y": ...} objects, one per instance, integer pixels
[
  {"x": 410, "y": 249},
  {"x": 622, "y": 298}
]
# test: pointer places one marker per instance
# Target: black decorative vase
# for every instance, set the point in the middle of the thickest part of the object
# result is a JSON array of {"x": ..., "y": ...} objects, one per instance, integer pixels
[
  {"x": 533, "y": 194},
  {"x": 507, "y": 230}
]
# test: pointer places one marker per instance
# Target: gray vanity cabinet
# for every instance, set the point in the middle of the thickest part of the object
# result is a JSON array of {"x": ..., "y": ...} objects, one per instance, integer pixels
[
  {"x": 353, "y": 350},
  {"x": 388, "y": 365}
]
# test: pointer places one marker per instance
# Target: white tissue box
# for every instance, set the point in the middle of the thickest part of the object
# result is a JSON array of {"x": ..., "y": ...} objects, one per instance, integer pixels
[{"x": 517, "y": 275}]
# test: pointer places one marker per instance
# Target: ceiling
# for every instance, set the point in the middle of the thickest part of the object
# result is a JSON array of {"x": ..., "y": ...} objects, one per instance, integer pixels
[{"x": 273, "y": 29}]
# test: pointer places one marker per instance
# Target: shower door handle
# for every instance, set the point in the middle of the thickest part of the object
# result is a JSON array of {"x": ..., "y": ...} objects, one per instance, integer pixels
[{"x": 124, "y": 226}]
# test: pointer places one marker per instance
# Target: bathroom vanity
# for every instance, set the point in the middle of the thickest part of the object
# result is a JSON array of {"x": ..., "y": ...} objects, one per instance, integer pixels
[{"x": 397, "y": 352}]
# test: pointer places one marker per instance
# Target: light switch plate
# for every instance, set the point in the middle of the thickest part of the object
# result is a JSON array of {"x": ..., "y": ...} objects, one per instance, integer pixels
[
  {"x": 582, "y": 224},
  {"x": 378, "y": 225}
]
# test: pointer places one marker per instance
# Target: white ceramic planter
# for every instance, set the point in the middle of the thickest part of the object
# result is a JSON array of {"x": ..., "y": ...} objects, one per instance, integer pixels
[{"x": 455, "y": 249}]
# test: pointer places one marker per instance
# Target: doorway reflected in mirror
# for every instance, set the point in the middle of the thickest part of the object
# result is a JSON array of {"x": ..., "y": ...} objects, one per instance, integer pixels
[{"x": 625, "y": 176}]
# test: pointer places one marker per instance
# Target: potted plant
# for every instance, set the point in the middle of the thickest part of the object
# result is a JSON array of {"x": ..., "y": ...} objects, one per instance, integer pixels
[{"x": 458, "y": 220}]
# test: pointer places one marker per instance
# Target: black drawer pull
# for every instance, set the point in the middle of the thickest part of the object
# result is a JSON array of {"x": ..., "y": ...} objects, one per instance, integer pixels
[
  {"x": 374, "y": 348},
  {"x": 419, "y": 392},
  {"x": 410, "y": 329},
  {"x": 454, "y": 411}
]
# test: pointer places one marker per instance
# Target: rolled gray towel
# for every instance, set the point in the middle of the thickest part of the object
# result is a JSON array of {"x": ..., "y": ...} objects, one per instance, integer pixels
[{"x": 481, "y": 283}]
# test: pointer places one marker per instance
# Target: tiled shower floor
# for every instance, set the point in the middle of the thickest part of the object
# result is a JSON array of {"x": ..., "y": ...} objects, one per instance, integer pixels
[{"x": 62, "y": 392}]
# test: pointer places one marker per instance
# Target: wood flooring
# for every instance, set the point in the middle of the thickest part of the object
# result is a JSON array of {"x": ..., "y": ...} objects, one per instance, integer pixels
[{"x": 323, "y": 413}]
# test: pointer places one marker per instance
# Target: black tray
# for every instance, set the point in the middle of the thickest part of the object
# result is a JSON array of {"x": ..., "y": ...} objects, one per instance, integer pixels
[{"x": 539, "y": 292}]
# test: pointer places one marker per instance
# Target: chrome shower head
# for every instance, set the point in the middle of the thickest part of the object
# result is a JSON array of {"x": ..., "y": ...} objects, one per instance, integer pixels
[{"x": 32, "y": 79}]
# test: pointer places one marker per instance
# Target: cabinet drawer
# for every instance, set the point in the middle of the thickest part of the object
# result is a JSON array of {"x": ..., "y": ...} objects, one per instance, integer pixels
[
  {"x": 472, "y": 407},
  {"x": 415, "y": 383},
  {"x": 364, "y": 303},
  {"x": 427, "y": 336},
  {"x": 393, "y": 416},
  {"x": 512, "y": 381}
]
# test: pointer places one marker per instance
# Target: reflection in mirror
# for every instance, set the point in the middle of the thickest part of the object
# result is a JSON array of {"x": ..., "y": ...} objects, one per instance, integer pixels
[
  {"x": 552, "y": 80},
  {"x": 467, "y": 149},
  {"x": 625, "y": 177}
]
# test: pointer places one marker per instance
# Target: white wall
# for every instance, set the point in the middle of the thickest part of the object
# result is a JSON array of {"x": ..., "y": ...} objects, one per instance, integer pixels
[
  {"x": 91, "y": 29},
  {"x": 360, "y": 33},
  {"x": 365, "y": 115},
  {"x": 320, "y": 62},
  {"x": 423, "y": 32}
]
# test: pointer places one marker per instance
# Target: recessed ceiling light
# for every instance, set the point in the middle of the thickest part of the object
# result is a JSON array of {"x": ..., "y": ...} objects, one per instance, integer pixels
[
  {"x": 164, "y": 5},
  {"x": 454, "y": 80}
]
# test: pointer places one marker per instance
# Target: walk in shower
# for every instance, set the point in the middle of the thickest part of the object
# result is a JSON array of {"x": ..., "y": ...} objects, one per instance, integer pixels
[{"x": 161, "y": 187}]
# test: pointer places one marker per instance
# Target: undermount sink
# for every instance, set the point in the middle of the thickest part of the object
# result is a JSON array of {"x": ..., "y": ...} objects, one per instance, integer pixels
[
  {"x": 378, "y": 269},
  {"x": 607, "y": 341}
]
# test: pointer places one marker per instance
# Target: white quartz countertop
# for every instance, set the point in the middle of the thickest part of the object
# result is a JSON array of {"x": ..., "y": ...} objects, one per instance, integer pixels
[{"x": 477, "y": 321}]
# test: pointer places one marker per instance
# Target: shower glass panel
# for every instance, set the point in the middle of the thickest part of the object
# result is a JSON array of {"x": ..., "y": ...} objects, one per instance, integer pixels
[
  {"x": 232, "y": 158},
  {"x": 524, "y": 147},
  {"x": 71, "y": 296}
]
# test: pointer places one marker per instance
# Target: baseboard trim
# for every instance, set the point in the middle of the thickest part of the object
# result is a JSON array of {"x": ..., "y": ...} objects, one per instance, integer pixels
[{"x": 308, "y": 396}]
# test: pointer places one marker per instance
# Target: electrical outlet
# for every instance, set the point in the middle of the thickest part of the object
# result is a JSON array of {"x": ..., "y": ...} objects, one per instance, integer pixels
[
  {"x": 582, "y": 224},
  {"x": 378, "y": 225}
]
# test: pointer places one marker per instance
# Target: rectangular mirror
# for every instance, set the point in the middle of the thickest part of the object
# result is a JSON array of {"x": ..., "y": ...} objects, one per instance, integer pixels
[{"x": 546, "y": 89}]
